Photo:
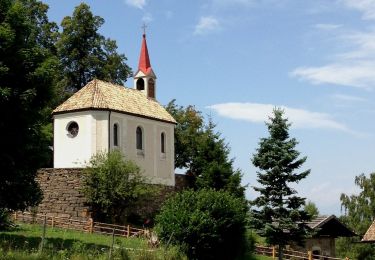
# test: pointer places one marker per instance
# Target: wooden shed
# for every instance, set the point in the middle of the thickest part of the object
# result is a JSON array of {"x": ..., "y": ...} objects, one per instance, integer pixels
[{"x": 326, "y": 229}]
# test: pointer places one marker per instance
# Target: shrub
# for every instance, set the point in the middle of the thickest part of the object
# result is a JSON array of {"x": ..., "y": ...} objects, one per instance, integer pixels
[
  {"x": 206, "y": 224},
  {"x": 113, "y": 185},
  {"x": 5, "y": 222}
]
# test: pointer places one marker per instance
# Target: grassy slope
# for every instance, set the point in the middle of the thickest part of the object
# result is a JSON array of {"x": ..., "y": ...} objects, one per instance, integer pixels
[{"x": 24, "y": 242}]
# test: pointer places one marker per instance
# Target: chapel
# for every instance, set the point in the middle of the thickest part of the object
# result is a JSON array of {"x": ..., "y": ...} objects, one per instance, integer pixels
[{"x": 103, "y": 116}]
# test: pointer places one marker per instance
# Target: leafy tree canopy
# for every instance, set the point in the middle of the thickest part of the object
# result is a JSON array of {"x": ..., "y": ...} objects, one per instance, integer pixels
[
  {"x": 113, "y": 184},
  {"x": 86, "y": 54},
  {"x": 202, "y": 151},
  {"x": 206, "y": 224},
  {"x": 359, "y": 212},
  {"x": 28, "y": 69},
  {"x": 277, "y": 212},
  {"x": 312, "y": 209}
]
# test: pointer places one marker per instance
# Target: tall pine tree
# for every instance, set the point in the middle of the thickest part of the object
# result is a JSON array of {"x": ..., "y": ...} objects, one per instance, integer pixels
[{"x": 278, "y": 213}]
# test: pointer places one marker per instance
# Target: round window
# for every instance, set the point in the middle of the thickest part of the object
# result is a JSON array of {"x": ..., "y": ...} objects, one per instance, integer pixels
[{"x": 72, "y": 129}]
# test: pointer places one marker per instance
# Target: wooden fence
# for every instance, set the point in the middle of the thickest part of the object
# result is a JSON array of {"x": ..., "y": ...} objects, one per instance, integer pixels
[
  {"x": 291, "y": 254},
  {"x": 86, "y": 226}
]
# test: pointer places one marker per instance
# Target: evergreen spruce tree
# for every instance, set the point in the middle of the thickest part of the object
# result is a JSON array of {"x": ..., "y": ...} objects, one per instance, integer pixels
[{"x": 278, "y": 213}]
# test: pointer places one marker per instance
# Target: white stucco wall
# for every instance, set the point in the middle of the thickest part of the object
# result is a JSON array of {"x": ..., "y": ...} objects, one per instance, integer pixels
[
  {"x": 75, "y": 152},
  {"x": 93, "y": 137}
]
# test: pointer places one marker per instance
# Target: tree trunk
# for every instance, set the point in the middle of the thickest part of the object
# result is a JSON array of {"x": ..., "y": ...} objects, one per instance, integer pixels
[{"x": 280, "y": 255}]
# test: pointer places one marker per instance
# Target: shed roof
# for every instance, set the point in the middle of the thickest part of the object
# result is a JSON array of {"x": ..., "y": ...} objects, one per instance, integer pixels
[
  {"x": 330, "y": 226},
  {"x": 101, "y": 95}
]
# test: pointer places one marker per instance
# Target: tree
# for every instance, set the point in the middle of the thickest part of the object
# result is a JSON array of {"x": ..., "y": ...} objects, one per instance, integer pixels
[
  {"x": 85, "y": 54},
  {"x": 112, "y": 185},
  {"x": 202, "y": 151},
  {"x": 277, "y": 212},
  {"x": 359, "y": 212},
  {"x": 206, "y": 224},
  {"x": 312, "y": 209},
  {"x": 28, "y": 69}
]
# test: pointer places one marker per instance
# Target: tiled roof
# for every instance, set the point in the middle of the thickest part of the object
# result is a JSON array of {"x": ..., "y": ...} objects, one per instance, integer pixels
[
  {"x": 99, "y": 95},
  {"x": 370, "y": 234}
]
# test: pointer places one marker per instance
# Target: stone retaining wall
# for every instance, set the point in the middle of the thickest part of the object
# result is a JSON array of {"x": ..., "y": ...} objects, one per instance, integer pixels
[
  {"x": 62, "y": 196},
  {"x": 61, "y": 193}
]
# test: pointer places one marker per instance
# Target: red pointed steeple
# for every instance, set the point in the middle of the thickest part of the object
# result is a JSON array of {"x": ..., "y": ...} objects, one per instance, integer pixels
[{"x": 144, "y": 64}]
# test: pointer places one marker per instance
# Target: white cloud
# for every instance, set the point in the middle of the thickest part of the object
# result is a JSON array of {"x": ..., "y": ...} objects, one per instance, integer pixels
[
  {"x": 206, "y": 24},
  {"x": 136, "y": 3},
  {"x": 356, "y": 74},
  {"x": 367, "y": 7},
  {"x": 327, "y": 26},
  {"x": 259, "y": 113},
  {"x": 347, "y": 98},
  {"x": 147, "y": 18}
]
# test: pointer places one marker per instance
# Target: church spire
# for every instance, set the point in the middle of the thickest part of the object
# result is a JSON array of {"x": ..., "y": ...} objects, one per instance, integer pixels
[
  {"x": 145, "y": 78},
  {"x": 144, "y": 64}
]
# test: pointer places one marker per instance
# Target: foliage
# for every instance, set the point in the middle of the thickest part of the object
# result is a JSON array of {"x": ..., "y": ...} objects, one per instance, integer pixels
[
  {"x": 112, "y": 185},
  {"x": 359, "y": 212},
  {"x": 206, "y": 224},
  {"x": 86, "y": 54},
  {"x": 23, "y": 243},
  {"x": 277, "y": 213},
  {"x": 5, "y": 222},
  {"x": 28, "y": 69},
  {"x": 312, "y": 209},
  {"x": 202, "y": 151}
]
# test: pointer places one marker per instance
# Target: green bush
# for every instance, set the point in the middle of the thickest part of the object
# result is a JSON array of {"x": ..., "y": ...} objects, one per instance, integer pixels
[
  {"x": 113, "y": 185},
  {"x": 5, "y": 222},
  {"x": 205, "y": 224}
]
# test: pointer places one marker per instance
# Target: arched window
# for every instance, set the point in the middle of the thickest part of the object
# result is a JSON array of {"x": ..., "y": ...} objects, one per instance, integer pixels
[
  {"x": 139, "y": 139},
  {"x": 115, "y": 134},
  {"x": 162, "y": 143},
  {"x": 151, "y": 88},
  {"x": 140, "y": 84}
]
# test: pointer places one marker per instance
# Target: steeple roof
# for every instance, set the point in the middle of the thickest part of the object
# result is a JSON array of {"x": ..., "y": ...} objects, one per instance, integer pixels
[{"x": 144, "y": 64}]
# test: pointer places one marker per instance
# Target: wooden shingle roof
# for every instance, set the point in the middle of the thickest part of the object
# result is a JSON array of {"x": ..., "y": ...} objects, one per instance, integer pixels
[
  {"x": 370, "y": 234},
  {"x": 101, "y": 95},
  {"x": 329, "y": 226}
]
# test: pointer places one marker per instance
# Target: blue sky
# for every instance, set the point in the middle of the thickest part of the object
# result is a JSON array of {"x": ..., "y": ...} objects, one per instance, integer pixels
[{"x": 237, "y": 59}]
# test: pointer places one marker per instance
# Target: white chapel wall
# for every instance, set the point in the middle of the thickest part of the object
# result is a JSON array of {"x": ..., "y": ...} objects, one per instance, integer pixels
[
  {"x": 158, "y": 167},
  {"x": 74, "y": 152}
]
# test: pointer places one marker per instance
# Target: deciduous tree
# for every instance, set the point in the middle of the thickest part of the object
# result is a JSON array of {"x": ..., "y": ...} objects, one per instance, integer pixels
[
  {"x": 359, "y": 212},
  {"x": 28, "y": 69},
  {"x": 202, "y": 152},
  {"x": 277, "y": 212},
  {"x": 86, "y": 54}
]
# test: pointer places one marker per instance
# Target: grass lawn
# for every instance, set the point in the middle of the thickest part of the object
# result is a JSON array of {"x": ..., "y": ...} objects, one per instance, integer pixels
[{"x": 24, "y": 243}]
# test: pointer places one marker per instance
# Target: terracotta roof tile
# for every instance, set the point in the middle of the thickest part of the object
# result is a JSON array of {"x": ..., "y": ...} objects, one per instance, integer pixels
[{"x": 99, "y": 94}]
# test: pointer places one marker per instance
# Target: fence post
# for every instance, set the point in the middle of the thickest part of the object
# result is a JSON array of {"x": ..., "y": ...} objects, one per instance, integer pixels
[
  {"x": 15, "y": 216},
  {"x": 43, "y": 234},
  {"x": 53, "y": 221},
  {"x": 309, "y": 253},
  {"x": 128, "y": 231},
  {"x": 91, "y": 225},
  {"x": 113, "y": 241},
  {"x": 273, "y": 252}
]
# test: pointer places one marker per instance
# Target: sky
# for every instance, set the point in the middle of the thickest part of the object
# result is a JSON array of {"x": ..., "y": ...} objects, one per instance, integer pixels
[{"x": 236, "y": 60}]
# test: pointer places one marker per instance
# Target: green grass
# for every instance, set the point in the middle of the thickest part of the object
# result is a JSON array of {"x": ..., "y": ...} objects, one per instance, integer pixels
[{"x": 24, "y": 243}]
